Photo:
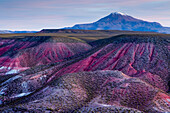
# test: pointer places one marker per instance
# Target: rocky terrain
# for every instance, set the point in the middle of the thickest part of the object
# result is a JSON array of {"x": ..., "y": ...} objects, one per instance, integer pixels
[
  {"x": 120, "y": 73},
  {"x": 97, "y": 91}
]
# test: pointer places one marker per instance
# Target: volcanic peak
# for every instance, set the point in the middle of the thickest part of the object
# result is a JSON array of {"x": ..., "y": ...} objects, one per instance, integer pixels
[{"x": 118, "y": 13}]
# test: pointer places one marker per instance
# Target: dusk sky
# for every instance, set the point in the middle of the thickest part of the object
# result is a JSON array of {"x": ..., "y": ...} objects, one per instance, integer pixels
[{"x": 41, "y": 14}]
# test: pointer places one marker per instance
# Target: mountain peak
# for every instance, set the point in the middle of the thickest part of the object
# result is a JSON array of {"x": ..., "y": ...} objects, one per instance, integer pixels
[
  {"x": 121, "y": 21},
  {"x": 118, "y": 13}
]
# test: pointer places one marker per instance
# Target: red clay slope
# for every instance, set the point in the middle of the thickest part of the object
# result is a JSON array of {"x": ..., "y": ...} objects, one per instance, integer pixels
[
  {"x": 143, "y": 56},
  {"x": 21, "y": 53}
]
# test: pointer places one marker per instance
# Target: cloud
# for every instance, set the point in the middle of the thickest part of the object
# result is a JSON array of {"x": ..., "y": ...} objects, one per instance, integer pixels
[{"x": 70, "y": 3}]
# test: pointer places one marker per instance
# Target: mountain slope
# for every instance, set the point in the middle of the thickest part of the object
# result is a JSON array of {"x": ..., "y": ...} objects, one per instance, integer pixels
[{"x": 119, "y": 21}]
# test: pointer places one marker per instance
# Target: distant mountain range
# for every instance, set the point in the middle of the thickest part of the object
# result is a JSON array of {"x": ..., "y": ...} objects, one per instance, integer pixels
[
  {"x": 120, "y": 21},
  {"x": 8, "y": 31}
]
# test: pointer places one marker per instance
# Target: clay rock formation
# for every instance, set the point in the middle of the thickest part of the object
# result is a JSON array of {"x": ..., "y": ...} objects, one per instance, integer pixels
[
  {"x": 143, "y": 56},
  {"x": 97, "y": 91},
  {"x": 17, "y": 54}
]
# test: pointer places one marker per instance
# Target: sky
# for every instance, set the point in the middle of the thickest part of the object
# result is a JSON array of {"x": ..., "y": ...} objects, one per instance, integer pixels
[{"x": 54, "y": 14}]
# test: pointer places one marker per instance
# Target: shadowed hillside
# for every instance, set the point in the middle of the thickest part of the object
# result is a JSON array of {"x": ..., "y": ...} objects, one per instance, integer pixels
[{"x": 98, "y": 91}]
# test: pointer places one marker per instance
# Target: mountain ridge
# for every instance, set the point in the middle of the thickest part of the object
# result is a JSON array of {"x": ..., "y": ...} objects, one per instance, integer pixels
[{"x": 9, "y": 31}]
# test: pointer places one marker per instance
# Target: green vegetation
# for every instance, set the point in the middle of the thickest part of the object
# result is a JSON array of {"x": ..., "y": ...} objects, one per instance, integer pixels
[{"x": 81, "y": 35}]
